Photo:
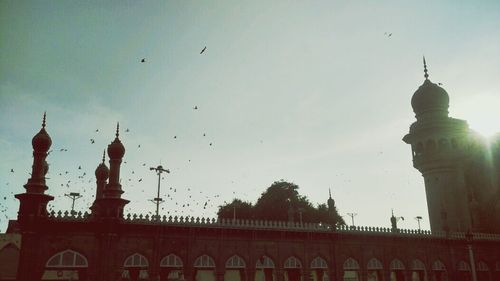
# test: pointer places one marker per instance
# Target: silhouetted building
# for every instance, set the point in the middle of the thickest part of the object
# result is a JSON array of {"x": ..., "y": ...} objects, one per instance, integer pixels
[
  {"x": 460, "y": 168},
  {"x": 107, "y": 245}
]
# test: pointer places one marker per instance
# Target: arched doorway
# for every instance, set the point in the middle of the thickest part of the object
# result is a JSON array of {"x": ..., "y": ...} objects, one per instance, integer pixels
[
  {"x": 397, "y": 270},
  {"x": 204, "y": 268},
  {"x": 439, "y": 271},
  {"x": 482, "y": 271},
  {"x": 171, "y": 268},
  {"x": 374, "y": 270},
  {"x": 351, "y": 270},
  {"x": 66, "y": 265},
  {"x": 135, "y": 268},
  {"x": 319, "y": 268},
  {"x": 9, "y": 258},
  {"x": 235, "y": 269},
  {"x": 417, "y": 270},
  {"x": 293, "y": 269},
  {"x": 264, "y": 269},
  {"x": 463, "y": 271}
]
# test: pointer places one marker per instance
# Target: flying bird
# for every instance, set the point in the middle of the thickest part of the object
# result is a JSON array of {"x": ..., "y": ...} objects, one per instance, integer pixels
[
  {"x": 143, "y": 60},
  {"x": 202, "y": 51},
  {"x": 195, "y": 107},
  {"x": 12, "y": 170},
  {"x": 92, "y": 141}
]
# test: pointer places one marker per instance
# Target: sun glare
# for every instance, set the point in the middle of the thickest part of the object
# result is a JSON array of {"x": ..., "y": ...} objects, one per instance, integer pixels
[{"x": 482, "y": 112}]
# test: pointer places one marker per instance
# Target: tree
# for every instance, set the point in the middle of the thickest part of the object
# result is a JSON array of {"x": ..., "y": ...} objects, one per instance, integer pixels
[{"x": 278, "y": 202}]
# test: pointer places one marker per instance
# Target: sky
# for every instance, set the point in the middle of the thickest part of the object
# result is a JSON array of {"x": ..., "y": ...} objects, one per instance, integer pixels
[{"x": 315, "y": 93}]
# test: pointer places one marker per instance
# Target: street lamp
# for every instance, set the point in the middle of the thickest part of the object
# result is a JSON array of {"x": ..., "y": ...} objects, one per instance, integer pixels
[
  {"x": 157, "y": 200},
  {"x": 469, "y": 237}
]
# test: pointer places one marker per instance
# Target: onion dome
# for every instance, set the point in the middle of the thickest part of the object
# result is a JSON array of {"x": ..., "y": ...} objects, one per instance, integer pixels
[
  {"x": 102, "y": 171},
  {"x": 429, "y": 97},
  {"x": 41, "y": 142},
  {"x": 116, "y": 150}
]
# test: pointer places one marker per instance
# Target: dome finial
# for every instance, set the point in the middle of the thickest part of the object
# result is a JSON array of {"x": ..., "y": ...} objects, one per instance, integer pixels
[
  {"x": 425, "y": 70},
  {"x": 44, "y": 117},
  {"x": 104, "y": 156},
  {"x": 117, "y": 129},
  {"x": 330, "y": 193}
]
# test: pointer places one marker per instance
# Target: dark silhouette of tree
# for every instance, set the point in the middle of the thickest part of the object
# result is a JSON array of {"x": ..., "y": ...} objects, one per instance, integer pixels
[{"x": 278, "y": 202}]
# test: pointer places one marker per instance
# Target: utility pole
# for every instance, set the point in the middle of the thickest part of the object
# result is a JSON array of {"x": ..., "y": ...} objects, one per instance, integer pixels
[
  {"x": 157, "y": 200},
  {"x": 352, "y": 215},
  {"x": 418, "y": 218},
  {"x": 73, "y": 196}
]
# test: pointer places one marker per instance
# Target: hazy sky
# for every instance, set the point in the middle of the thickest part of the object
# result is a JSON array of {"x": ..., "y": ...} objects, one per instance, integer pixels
[{"x": 315, "y": 93}]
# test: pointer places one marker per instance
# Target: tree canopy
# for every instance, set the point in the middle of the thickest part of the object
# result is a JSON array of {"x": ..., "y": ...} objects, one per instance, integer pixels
[{"x": 278, "y": 202}]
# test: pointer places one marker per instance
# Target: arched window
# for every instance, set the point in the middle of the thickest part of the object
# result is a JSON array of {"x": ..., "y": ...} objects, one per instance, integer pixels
[
  {"x": 482, "y": 271},
  {"x": 265, "y": 266},
  {"x": 67, "y": 264},
  {"x": 419, "y": 149},
  {"x": 136, "y": 260},
  {"x": 418, "y": 270},
  {"x": 318, "y": 262},
  {"x": 171, "y": 267},
  {"x": 397, "y": 265},
  {"x": 68, "y": 259},
  {"x": 438, "y": 266},
  {"x": 292, "y": 262},
  {"x": 417, "y": 265},
  {"x": 264, "y": 262},
  {"x": 235, "y": 262},
  {"x": 204, "y": 261},
  {"x": 351, "y": 270},
  {"x": 351, "y": 264},
  {"x": 171, "y": 261},
  {"x": 374, "y": 264}
]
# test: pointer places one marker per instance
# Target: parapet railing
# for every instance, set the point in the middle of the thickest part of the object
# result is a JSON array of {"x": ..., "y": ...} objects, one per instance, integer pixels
[{"x": 275, "y": 225}]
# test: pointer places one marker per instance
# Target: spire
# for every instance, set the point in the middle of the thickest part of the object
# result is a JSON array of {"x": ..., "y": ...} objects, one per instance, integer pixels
[
  {"x": 44, "y": 117},
  {"x": 329, "y": 193},
  {"x": 425, "y": 70},
  {"x": 117, "y": 129},
  {"x": 103, "y": 156}
]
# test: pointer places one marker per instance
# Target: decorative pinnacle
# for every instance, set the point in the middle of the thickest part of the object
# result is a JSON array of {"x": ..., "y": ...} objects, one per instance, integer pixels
[
  {"x": 117, "y": 129},
  {"x": 103, "y": 156},
  {"x": 44, "y": 117},
  {"x": 425, "y": 70},
  {"x": 330, "y": 193}
]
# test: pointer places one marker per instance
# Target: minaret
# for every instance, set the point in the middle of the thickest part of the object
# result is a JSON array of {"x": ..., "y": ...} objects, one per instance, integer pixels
[
  {"x": 101, "y": 174},
  {"x": 33, "y": 203},
  {"x": 332, "y": 212},
  {"x": 111, "y": 204},
  {"x": 438, "y": 145}
]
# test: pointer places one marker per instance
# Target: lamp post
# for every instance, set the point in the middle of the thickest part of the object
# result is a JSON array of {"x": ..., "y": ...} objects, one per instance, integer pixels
[
  {"x": 352, "y": 215},
  {"x": 73, "y": 196},
  {"x": 157, "y": 200},
  {"x": 418, "y": 218},
  {"x": 469, "y": 237}
]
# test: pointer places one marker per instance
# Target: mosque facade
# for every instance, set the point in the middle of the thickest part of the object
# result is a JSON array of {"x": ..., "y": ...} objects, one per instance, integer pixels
[{"x": 461, "y": 181}]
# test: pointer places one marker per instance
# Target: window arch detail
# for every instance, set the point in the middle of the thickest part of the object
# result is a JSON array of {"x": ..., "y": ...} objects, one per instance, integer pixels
[
  {"x": 482, "y": 266},
  {"x": 438, "y": 266},
  {"x": 264, "y": 262},
  {"x": 235, "y": 262},
  {"x": 67, "y": 258},
  {"x": 136, "y": 260},
  {"x": 171, "y": 261},
  {"x": 351, "y": 264},
  {"x": 417, "y": 265},
  {"x": 292, "y": 262},
  {"x": 204, "y": 261},
  {"x": 319, "y": 262},
  {"x": 397, "y": 264},
  {"x": 374, "y": 264}
]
